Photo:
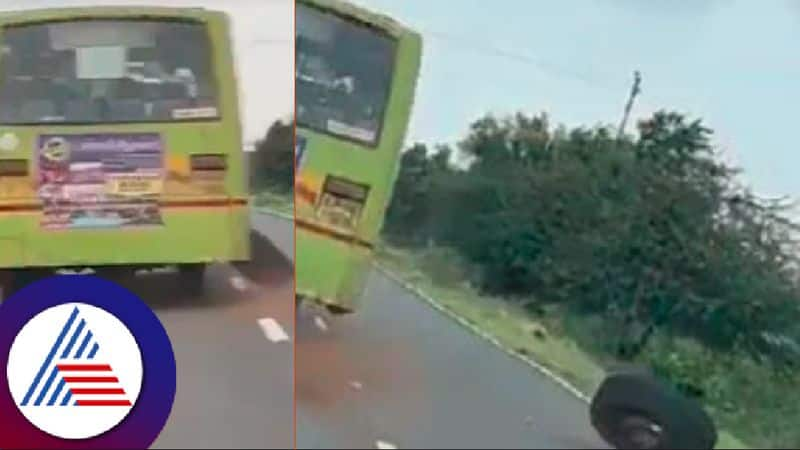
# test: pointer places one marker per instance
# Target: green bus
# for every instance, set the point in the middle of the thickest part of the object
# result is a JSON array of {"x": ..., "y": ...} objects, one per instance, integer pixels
[
  {"x": 356, "y": 74},
  {"x": 120, "y": 142}
]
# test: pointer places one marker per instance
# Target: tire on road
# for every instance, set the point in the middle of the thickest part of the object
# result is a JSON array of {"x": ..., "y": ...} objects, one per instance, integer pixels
[
  {"x": 634, "y": 410},
  {"x": 191, "y": 278}
]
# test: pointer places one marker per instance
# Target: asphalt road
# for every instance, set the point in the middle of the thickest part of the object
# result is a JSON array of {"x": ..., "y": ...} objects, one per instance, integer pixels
[
  {"x": 233, "y": 347},
  {"x": 235, "y": 385},
  {"x": 396, "y": 374},
  {"x": 400, "y": 374}
]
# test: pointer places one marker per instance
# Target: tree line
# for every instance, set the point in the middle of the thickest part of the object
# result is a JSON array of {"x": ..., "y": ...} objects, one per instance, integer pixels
[
  {"x": 653, "y": 231},
  {"x": 272, "y": 161}
]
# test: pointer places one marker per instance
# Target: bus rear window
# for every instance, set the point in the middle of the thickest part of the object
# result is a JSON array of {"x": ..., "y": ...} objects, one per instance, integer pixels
[
  {"x": 106, "y": 71},
  {"x": 343, "y": 75}
]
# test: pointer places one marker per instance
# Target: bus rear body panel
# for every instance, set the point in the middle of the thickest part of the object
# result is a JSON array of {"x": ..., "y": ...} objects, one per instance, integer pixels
[
  {"x": 331, "y": 269},
  {"x": 356, "y": 77},
  {"x": 133, "y": 154}
]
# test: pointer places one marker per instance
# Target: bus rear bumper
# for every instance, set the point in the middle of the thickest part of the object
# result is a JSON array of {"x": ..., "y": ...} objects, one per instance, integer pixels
[
  {"x": 329, "y": 272},
  {"x": 191, "y": 236}
]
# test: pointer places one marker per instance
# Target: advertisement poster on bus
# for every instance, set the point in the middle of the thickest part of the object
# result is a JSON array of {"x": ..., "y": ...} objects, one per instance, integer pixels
[{"x": 100, "y": 180}]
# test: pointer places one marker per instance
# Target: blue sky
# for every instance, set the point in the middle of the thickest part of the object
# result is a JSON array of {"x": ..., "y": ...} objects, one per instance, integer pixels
[{"x": 735, "y": 63}]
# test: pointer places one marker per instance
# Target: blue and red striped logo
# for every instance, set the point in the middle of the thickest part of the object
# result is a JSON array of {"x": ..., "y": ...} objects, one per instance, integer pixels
[
  {"x": 76, "y": 351},
  {"x": 76, "y": 377},
  {"x": 77, "y": 389}
]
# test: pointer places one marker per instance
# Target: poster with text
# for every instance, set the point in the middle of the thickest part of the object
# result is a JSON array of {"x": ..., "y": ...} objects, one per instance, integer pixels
[{"x": 100, "y": 180}]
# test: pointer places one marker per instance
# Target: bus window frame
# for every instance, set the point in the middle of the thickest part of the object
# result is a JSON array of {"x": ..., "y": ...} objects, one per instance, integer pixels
[
  {"x": 395, "y": 40},
  {"x": 212, "y": 50}
]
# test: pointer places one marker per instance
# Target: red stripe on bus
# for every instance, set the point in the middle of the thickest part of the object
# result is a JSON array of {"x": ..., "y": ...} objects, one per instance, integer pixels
[
  {"x": 166, "y": 204},
  {"x": 20, "y": 208},
  {"x": 203, "y": 203}
]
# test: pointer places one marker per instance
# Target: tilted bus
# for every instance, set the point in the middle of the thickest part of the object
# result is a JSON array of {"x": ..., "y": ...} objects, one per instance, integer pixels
[{"x": 356, "y": 74}]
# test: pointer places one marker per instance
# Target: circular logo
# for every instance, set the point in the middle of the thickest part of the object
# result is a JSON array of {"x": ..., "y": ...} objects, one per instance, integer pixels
[
  {"x": 88, "y": 365},
  {"x": 79, "y": 389},
  {"x": 56, "y": 149}
]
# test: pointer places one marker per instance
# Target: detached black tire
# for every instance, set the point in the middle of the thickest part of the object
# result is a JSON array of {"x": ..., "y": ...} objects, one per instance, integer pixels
[
  {"x": 634, "y": 410},
  {"x": 191, "y": 278}
]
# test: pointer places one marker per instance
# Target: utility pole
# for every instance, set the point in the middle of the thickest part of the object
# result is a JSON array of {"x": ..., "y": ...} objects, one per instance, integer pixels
[{"x": 635, "y": 91}]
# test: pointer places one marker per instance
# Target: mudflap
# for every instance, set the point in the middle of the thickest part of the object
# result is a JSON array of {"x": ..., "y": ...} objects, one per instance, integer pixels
[{"x": 314, "y": 303}]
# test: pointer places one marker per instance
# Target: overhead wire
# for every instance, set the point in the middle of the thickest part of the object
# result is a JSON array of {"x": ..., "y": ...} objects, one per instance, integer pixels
[{"x": 480, "y": 46}]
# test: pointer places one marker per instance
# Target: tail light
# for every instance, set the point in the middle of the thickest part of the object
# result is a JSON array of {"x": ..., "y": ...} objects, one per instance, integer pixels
[
  {"x": 13, "y": 168},
  {"x": 342, "y": 202},
  {"x": 208, "y": 163}
]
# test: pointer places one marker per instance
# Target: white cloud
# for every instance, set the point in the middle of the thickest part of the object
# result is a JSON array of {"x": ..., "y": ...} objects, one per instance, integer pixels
[{"x": 263, "y": 31}]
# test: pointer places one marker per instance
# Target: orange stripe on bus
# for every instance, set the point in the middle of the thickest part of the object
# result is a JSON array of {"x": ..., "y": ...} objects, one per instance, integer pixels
[
  {"x": 204, "y": 203},
  {"x": 10, "y": 208},
  {"x": 20, "y": 208},
  {"x": 333, "y": 234}
]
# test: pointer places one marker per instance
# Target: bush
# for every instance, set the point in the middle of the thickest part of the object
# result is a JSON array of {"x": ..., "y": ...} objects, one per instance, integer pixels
[
  {"x": 272, "y": 163},
  {"x": 653, "y": 232}
]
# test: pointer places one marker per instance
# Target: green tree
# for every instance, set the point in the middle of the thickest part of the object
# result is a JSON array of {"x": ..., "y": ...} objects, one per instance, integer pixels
[
  {"x": 272, "y": 163},
  {"x": 651, "y": 231}
]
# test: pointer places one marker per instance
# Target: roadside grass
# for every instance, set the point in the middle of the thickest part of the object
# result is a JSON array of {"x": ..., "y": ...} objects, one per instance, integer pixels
[
  {"x": 566, "y": 344},
  {"x": 272, "y": 200},
  {"x": 510, "y": 325},
  {"x": 727, "y": 441}
]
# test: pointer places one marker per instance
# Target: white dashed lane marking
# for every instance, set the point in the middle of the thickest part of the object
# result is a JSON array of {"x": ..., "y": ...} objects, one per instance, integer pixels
[
  {"x": 320, "y": 323},
  {"x": 385, "y": 445},
  {"x": 273, "y": 330}
]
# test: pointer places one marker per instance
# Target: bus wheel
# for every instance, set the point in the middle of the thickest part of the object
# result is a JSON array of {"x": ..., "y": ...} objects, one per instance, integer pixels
[
  {"x": 634, "y": 410},
  {"x": 6, "y": 284},
  {"x": 192, "y": 278}
]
